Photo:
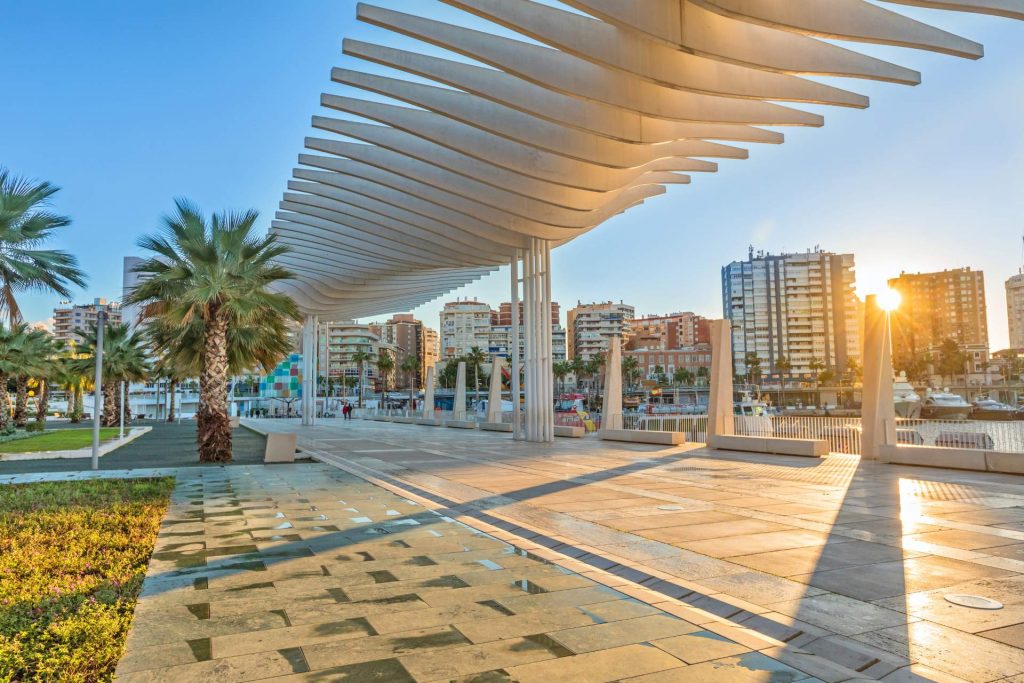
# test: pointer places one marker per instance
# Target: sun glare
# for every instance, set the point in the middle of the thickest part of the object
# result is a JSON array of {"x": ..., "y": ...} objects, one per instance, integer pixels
[{"x": 889, "y": 300}]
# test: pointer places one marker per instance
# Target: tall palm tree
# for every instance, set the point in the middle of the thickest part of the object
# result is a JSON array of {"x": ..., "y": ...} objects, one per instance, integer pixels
[
  {"x": 560, "y": 370},
  {"x": 124, "y": 360},
  {"x": 216, "y": 272},
  {"x": 361, "y": 358},
  {"x": 579, "y": 368},
  {"x": 26, "y": 224},
  {"x": 35, "y": 358},
  {"x": 783, "y": 366},
  {"x": 411, "y": 368},
  {"x": 385, "y": 366},
  {"x": 12, "y": 345},
  {"x": 630, "y": 369}
]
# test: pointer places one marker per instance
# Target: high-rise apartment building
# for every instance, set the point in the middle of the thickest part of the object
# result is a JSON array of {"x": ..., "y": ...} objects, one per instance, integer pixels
[
  {"x": 339, "y": 342},
  {"x": 431, "y": 351},
  {"x": 503, "y": 316},
  {"x": 129, "y": 281},
  {"x": 673, "y": 331},
  {"x": 935, "y": 307},
  {"x": 798, "y": 306},
  {"x": 464, "y": 324},
  {"x": 501, "y": 333},
  {"x": 69, "y": 322},
  {"x": 1015, "y": 310},
  {"x": 591, "y": 325}
]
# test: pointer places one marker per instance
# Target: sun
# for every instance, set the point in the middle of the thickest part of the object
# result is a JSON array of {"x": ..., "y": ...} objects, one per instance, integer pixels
[{"x": 889, "y": 300}]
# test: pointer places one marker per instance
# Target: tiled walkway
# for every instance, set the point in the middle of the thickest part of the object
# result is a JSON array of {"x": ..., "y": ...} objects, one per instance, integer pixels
[
  {"x": 306, "y": 573},
  {"x": 844, "y": 565}
]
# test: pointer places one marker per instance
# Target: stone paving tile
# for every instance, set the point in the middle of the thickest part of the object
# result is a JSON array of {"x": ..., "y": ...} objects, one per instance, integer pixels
[{"x": 606, "y": 665}]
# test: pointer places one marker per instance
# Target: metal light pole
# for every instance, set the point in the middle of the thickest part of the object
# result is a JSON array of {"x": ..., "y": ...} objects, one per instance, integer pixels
[
  {"x": 97, "y": 397},
  {"x": 122, "y": 409}
]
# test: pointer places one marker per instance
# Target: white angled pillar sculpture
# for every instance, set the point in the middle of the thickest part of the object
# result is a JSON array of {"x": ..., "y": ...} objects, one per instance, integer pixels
[
  {"x": 539, "y": 385},
  {"x": 459, "y": 406},
  {"x": 720, "y": 413},
  {"x": 494, "y": 395},
  {"x": 611, "y": 410},
  {"x": 309, "y": 370},
  {"x": 428, "y": 394},
  {"x": 878, "y": 408}
]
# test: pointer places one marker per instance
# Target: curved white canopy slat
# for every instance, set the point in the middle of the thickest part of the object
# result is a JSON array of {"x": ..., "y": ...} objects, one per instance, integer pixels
[{"x": 594, "y": 112}]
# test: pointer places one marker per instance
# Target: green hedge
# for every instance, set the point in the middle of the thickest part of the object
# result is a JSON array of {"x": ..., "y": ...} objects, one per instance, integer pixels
[{"x": 72, "y": 559}]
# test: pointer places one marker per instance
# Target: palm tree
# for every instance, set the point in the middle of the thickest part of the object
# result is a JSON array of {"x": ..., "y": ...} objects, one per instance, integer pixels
[
  {"x": 216, "y": 273},
  {"x": 682, "y": 377},
  {"x": 411, "y": 368},
  {"x": 385, "y": 365},
  {"x": 25, "y": 225},
  {"x": 361, "y": 358},
  {"x": 630, "y": 369},
  {"x": 124, "y": 360},
  {"x": 35, "y": 357},
  {"x": 560, "y": 370},
  {"x": 474, "y": 359},
  {"x": 783, "y": 366},
  {"x": 12, "y": 344},
  {"x": 578, "y": 367},
  {"x": 816, "y": 365}
]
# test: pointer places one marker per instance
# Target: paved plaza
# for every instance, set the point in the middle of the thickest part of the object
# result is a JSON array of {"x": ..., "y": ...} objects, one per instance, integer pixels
[{"x": 842, "y": 565}]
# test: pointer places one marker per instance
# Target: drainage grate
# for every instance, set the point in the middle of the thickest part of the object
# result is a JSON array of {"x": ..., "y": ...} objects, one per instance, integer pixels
[{"x": 973, "y": 601}]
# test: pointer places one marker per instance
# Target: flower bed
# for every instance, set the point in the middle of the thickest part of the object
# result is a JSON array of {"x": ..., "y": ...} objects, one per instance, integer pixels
[{"x": 72, "y": 559}]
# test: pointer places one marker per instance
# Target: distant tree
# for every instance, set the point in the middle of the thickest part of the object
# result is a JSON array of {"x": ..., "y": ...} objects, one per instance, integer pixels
[
  {"x": 361, "y": 358},
  {"x": 385, "y": 366},
  {"x": 753, "y": 364},
  {"x": 474, "y": 361},
  {"x": 783, "y": 366},
  {"x": 703, "y": 374},
  {"x": 630, "y": 369},
  {"x": 560, "y": 370},
  {"x": 951, "y": 360},
  {"x": 682, "y": 377},
  {"x": 411, "y": 367}
]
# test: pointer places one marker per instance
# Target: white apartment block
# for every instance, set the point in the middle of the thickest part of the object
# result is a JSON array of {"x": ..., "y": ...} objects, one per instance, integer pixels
[
  {"x": 1015, "y": 310},
  {"x": 339, "y": 343},
  {"x": 69, "y": 321},
  {"x": 464, "y": 324},
  {"x": 801, "y": 306},
  {"x": 500, "y": 343},
  {"x": 591, "y": 325}
]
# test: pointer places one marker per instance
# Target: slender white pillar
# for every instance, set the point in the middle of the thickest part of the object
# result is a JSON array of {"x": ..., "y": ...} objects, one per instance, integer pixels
[
  {"x": 530, "y": 350},
  {"x": 494, "y": 395},
  {"x": 428, "y": 394},
  {"x": 547, "y": 361},
  {"x": 611, "y": 410},
  {"x": 514, "y": 350},
  {"x": 309, "y": 368},
  {"x": 459, "y": 407},
  {"x": 720, "y": 413},
  {"x": 878, "y": 408}
]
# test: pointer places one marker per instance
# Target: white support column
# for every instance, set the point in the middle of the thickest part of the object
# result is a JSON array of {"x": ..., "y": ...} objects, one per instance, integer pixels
[
  {"x": 459, "y": 407},
  {"x": 530, "y": 350},
  {"x": 494, "y": 394},
  {"x": 611, "y": 410},
  {"x": 517, "y": 433},
  {"x": 428, "y": 394},
  {"x": 720, "y": 412},
  {"x": 878, "y": 409},
  {"x": 309, "y": 371},
  {"x": 547, "y": 362}
]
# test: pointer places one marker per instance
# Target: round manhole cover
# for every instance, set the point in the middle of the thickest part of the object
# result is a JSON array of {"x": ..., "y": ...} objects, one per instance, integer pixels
[
  {"x": 670, "y": 507},
  {"x": 974, "y": 601}
]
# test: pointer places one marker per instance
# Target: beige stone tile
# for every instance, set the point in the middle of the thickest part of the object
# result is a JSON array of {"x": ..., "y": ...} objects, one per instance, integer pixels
[
  {"x": 699, "y": 646},
  {"x": 231, "y": 670},
  {"x": 606, "y": 665},
  {"x": 518, "y": 625},
  {"x": 329, "y": 654},
  {"x": 452, "y": 663},
  {"x": 760, "y": 543},
  {"x": 603, "y": 636},
  {"x": 700, "y": 532}
]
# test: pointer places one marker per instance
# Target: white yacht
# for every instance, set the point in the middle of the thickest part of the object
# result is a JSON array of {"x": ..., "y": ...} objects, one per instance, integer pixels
[
  {"x": 908, "y": 402},
  {"x": 945, "y": 405}
]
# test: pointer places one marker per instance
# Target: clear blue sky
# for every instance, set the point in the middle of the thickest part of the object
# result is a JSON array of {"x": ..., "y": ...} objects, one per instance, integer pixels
[{"x": 127, "y": 105}]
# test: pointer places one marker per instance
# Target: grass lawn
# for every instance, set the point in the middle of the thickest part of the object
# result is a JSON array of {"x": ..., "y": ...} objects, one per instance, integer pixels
[
  {"x": 59, "y": 440},
  {"x": 72, "y": 559}
]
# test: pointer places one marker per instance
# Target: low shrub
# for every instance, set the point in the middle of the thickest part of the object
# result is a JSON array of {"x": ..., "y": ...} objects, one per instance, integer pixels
[
  {"x": 72, "y": 559},
  {"x": 35, "y": 427}
]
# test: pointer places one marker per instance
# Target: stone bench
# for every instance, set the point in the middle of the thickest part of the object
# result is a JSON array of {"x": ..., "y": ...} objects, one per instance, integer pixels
[
  {"x": 461, "y": 424},
  {"x": 381, "y": 418},
  {"x": 808, "y": 448},
  {"x": 402, "y": 419},
  {"x": 281, "y": 447},
  {"x": 496, "y": 426},
  {"x": 637, "y": 436},
  {"x": 430, "y": 421},
  {"x": 570, "y": 432},
  {"x": 952, "y": 458}
]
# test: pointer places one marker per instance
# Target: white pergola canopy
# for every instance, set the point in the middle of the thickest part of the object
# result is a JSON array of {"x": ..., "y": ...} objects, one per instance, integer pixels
[{"x": 548, "y": 141}]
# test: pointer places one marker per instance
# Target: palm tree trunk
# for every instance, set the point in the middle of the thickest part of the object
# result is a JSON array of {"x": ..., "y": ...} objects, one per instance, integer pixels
[
  {"x": 124, "y": 405},
  {"x": 214, "y": 425},
  {"x": 172, "y": 389},
  {"x": 43, "y": 406},
  {"x": 5, "y": 403},
  {"x": 109, "y": 415},
  {"x": 21, "y": 402}
]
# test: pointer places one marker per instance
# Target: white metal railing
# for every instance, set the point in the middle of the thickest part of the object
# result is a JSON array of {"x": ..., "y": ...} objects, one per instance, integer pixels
[
  {"x": 694, "y": 426},
  {"x": 986, "y": 435},
  {"x": 843, "y": 434}
]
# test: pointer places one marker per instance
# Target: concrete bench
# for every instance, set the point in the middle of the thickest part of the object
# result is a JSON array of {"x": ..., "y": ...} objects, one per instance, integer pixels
[
  {"x": 430, "y": 421},
  {"x": 281, "y": 447},
  {"x": 931, "y": 456},
  {"x": 808, "y": 448},
  {"x": 637, "y": 436},
  {"x": 496, "y": 426},
  {"x": 570, "y": 432},
  {"x": 402, "y": 419},
  {"x": 381, "y": 418},
  {"x": 461, "y": 424}
]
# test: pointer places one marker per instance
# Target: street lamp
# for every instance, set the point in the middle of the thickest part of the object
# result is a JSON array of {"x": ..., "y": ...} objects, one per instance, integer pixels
[{"x": 97, "y": 399}]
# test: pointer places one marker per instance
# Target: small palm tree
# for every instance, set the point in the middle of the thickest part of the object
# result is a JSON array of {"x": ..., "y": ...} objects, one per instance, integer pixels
[
  {"x": 219, "y": 272},
  {"x": 361, "y": 358},
  {"x": 12, "y": 345},
  {"x": 475, "y": 359},
  {"x": 560, "y": 370},
  {"x": 124, "y": 360},
  {"x": 25, "y": 225},
  {"x": 783, "y": 366},
  {"x": 630, "y": 369},
  {"x": 579, "y": 368}
]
